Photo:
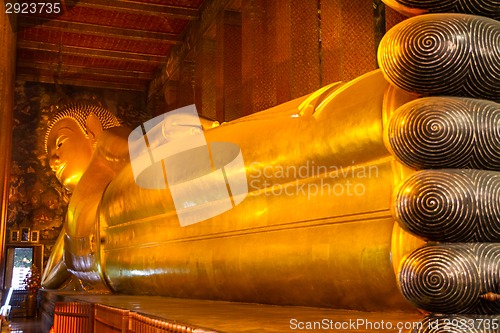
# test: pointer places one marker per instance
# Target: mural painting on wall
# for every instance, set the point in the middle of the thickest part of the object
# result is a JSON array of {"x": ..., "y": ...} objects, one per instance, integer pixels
[{"x": 36, "y": 198}]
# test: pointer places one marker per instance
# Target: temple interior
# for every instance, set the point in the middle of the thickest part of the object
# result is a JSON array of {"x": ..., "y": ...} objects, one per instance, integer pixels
[{"x": 368, "y": 148}]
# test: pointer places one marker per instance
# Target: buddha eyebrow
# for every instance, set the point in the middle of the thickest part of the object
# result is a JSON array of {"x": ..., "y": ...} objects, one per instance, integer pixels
[{"x": 60, "y": 138}]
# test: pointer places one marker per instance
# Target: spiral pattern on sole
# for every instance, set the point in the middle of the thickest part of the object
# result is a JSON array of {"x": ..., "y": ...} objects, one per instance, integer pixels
[
  {"x": 444, "y": 54},
  {"x": 489, "y": 8},
  {"x": 449, "y": 278},
  {"x": 450, "y": 205},
  {"x": 447, "y": 132}
]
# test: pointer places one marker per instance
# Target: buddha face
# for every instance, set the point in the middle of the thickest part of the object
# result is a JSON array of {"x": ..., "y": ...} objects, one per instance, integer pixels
[{"x": 70, "y": 152}]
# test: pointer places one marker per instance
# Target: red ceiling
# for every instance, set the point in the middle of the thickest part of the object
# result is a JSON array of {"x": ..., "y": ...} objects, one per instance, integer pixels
[
  {"x": 112, "y": 18},
  {"x": 102, "y": 43}
]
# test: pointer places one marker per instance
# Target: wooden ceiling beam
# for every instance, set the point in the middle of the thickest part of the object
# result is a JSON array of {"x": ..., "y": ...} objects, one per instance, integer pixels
[
  {"x": 133, "y": 7},
  {"x": 193, "y": 33},
  {"x": 80, "y": 82},
  {"x": 89, "y": 52},
  {"x": 99, "y": 30},
  {"x": 47, "y": 68}
]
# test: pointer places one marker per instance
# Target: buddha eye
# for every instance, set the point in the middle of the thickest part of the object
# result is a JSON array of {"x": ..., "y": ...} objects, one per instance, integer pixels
[{"x": 60, "y": 141}]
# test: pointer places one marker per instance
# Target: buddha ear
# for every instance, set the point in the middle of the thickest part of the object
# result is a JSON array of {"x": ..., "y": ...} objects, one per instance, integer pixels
[{"x": 94, "y": 127}]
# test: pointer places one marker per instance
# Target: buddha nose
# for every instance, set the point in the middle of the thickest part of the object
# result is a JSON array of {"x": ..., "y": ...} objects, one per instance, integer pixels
[{"x": 54, "y": 162}]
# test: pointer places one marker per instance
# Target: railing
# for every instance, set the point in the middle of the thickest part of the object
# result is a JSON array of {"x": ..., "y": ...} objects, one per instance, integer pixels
[
  {"x": 143, "y": 324},
  {"x": 18, "y": 303},
  {"x": 110, "y": 320},
  {"x": 73, "y": 317}
]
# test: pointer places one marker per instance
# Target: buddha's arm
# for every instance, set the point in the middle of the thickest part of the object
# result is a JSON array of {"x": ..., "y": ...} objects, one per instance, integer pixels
[{"x": 56, "y": 273}]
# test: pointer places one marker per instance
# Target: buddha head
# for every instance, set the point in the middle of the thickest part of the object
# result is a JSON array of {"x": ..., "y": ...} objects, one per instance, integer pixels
[{"x": 71, "y": 138}]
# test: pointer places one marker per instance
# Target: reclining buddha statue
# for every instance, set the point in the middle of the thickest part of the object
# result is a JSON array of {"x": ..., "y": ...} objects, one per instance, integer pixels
[{"x": 342, "y": 186}]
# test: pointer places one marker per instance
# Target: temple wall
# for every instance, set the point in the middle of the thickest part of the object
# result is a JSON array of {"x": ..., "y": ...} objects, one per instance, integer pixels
[{"x": 258, "y": 54}]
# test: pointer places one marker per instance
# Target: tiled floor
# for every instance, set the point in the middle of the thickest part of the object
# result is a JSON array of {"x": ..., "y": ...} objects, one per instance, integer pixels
[{"x": 25, "y": 325}]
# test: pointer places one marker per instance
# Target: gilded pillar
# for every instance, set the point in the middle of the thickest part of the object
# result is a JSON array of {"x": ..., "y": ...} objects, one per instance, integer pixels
[
  {"x": 359, "y": 57},
  {"x": 281, "y": 50},
  {"x": 156, "y": 105},
  {"x": 332, "y": 53},
  {"x": 280, "y": 43},
  {"x": 205, "y": 70},
  {"x": 296, "y": 48},
  {"x": 304, "y": 71},
  {"x": 258, "y": 70},
  {"x": 228, "y": 62},
  {"x": 185, "y": 89},
  {"x": 7, "y": 78},
  {"x": 170, "y": 95},
  {"x": 291, "y": 48}
]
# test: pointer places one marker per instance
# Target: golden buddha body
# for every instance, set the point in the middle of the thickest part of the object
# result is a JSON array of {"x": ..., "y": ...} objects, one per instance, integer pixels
[{"x": 316, "y": 227}]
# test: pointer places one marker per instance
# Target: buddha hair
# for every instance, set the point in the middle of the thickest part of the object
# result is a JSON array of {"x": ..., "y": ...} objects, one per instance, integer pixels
[{"x": 79, "y": 113}]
